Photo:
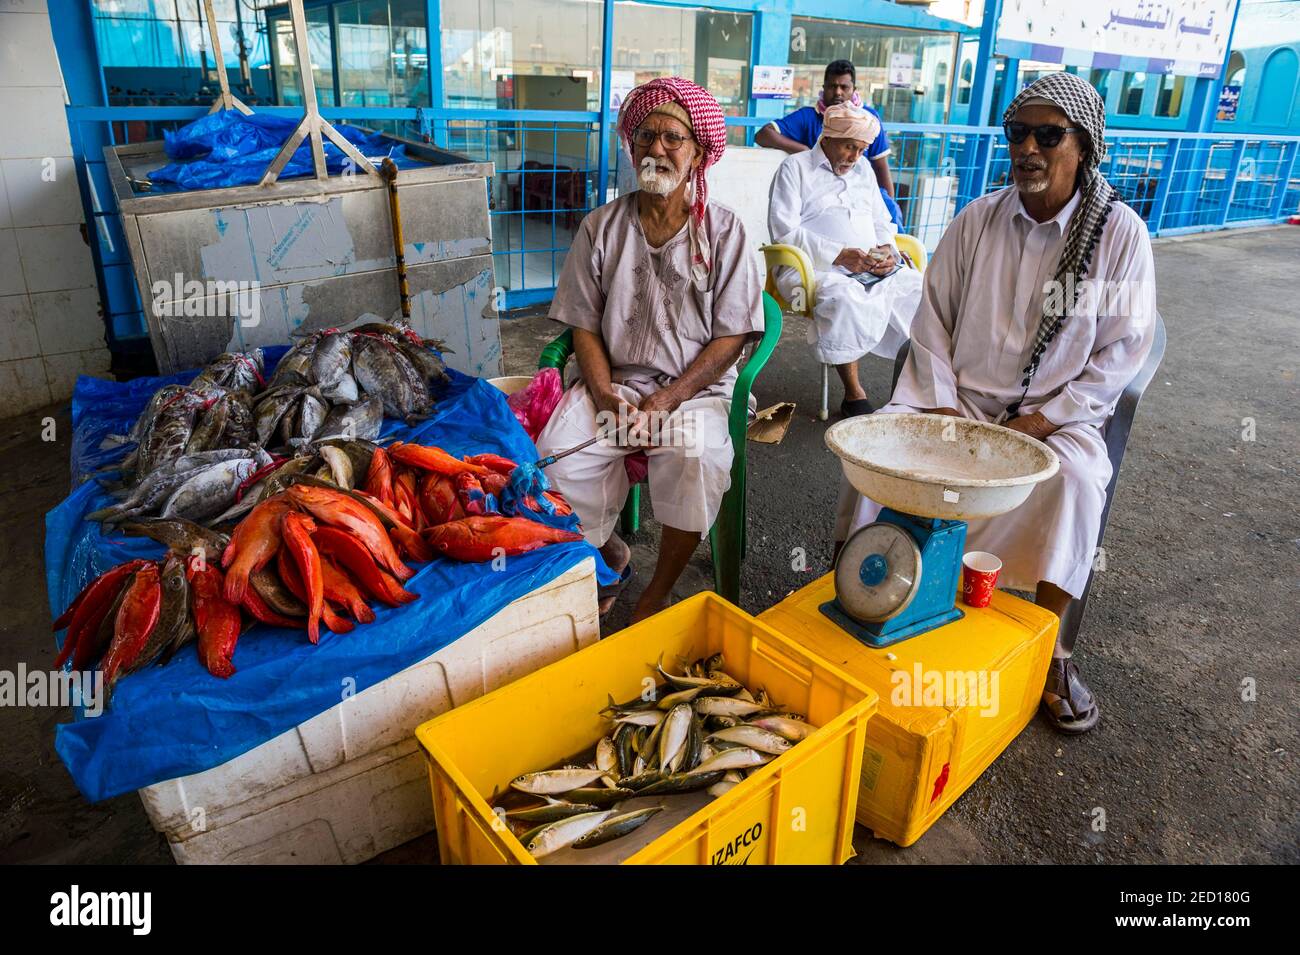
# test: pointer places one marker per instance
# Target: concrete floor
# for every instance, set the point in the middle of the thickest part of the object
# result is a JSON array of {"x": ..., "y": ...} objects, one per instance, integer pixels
[{"x": 1200, "y": 594}]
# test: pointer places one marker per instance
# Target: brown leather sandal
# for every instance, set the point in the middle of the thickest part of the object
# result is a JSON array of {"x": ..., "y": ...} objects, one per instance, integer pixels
[{"x": 1067, "y": 702}]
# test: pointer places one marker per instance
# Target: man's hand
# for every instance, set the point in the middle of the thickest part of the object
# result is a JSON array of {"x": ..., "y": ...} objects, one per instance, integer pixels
[
  {"x": 1034, "y": 425},
  {"x": 616, "y": 416},
  {"x": 881, "y": 260},
  {"x": 951, "y": 412},
  {"x": 855, "y": 260},
  {"x": 654, "y": 409}
]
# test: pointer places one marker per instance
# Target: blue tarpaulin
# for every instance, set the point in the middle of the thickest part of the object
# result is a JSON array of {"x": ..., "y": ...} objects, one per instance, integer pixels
[
  {"x": 178, "y": 719},
  {"x": 227, "y": 148}
]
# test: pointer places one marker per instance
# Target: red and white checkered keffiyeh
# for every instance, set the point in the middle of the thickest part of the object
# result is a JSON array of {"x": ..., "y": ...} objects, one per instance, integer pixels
[{"x": 709, "y": 129}]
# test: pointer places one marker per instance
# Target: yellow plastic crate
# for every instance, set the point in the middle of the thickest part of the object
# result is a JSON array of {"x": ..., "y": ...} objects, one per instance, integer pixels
[
  {"x": 924, "y": 749},
  {"x": 796, "y": 809}
]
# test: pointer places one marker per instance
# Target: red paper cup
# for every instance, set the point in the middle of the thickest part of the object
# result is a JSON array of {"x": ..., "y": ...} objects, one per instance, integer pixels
[{"x": 979, "y": 574}]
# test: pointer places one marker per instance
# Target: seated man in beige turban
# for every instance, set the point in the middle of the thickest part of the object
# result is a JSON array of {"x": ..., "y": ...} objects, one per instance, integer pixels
[{"x": 826, "y": 201}]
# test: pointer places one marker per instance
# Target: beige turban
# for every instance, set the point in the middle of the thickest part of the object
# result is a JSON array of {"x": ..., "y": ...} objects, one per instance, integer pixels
[
  {"x": 846, "y": 121},
  {"x": 675, "y": 111}
]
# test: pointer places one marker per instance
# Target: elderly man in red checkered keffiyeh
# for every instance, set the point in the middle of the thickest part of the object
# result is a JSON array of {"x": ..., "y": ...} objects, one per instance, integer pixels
[{"x": 662, "y": 291}]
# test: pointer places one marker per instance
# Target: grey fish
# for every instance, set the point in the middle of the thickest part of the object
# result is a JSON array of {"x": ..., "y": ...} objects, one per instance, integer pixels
[
  {"x": 682, "y": 783},
  {"x": 180, "y": 536},
  {"x": 558, "y": 835},
  {"x": 598, "y": 797},
  {"x": 331, "y": 359},
  {"x": 554, "y": 781},
  {"x": 343, "y": 391},
  {"x": 363, "y": 419},
  {"x": 792, "y": 729},
  {"x": 755, "y": 737},
  {"x": 550, "y": 812},
  {"x": 721, "y": 682},
  {"x": 240, "y": 429},
  {"x": 211, "y": 491},
  {"x": 359, "y": 454},
  {"x": 233, "y": 370},
  {"x": 378, "y": 374},
  {"x": 421, "y": 401},
  {"x": 639, "y": 781},
  {"x": 429, "y": 366},
  {"x": 672, "y": 738},
  {"x": 172, "y": 615},
  {"x": 271, "y": 407},
  {"x": 339, "y": 466},
  {"x": 295, "y": 367},
  {"x": 150, "y": 494},
  {"x": 616, "y": 827},
  {"x": 311, "y": 415},
  {"x": 170, "y": 431},
  {"x": 209, "y": 426},
  {"x": 726, "y": 706},
  {"x": 278, "y": 597},
  {"x": 740, "y": 758}
]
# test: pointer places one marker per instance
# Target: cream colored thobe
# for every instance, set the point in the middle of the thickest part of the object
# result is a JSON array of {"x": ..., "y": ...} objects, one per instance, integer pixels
[
  {"x": 654, "y": 322},
  {"x": 822, "y": 213},
  {"x": 972, "y": 337}
]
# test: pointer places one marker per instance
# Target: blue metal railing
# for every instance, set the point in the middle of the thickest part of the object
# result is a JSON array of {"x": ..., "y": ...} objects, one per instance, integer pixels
[{"x": 549, "y": 175}]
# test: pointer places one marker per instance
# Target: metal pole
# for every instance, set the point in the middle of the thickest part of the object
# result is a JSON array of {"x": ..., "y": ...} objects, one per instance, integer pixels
[
  {"x": 606, "y": 71},
  {"x": 225, "y": 99}
]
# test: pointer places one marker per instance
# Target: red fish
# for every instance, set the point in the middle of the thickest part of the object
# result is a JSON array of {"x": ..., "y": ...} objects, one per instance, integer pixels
[
  {"x": 340, "y": 590},
  {"x": 496, "y": 462},
  {"x": 434, "y": 459},
  {"x": 478, "y": 539},
  {"x": 438, "y": 499},
  {"x": 297, "y": 529},
  {"x": 216, "y": 618},
  {"x": 379, "y": 479},
  {"x": 88, "y": 609},
  {"x": 353, "y": 557},
  {"x": 292, "y": 578},
  {"x": 255, "y": 541},
  {"x": 136, "y": 618},
  {"x": 339, "y": 510},
  {"x": 404, "y": 496},
  {"x": 408, "y": 541}
]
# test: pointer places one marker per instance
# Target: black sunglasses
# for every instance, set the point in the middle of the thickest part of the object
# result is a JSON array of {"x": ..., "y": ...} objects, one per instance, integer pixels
[{"x": 1046, "y": 136}]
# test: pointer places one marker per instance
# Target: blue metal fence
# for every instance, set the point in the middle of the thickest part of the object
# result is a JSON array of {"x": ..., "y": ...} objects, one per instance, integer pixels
[{"x": 549, "y": 174}]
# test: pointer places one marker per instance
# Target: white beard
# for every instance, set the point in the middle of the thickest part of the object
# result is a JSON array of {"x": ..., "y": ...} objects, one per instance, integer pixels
[
  {"x": 657, "y": 183},
  {"x": 1033, "y": 186}
]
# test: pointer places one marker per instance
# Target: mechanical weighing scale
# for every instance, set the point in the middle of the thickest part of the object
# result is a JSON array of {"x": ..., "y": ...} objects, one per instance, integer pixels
[{"x": 898, "y": 577}]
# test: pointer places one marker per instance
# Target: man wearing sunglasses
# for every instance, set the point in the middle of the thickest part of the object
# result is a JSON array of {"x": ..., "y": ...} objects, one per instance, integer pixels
[
  {"x": 825, "y": 202},
  {"x": 800, "y": 131},
  {"x": 1038, "y": 309},
  {"x": 661, "y": 288}
]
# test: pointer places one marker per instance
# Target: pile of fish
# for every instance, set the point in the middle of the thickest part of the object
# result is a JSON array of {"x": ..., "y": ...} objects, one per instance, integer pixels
[
  {"x": 320, "y": 537},
  {"x": 701, "y": 730},
  {"x": 199, "y": 445}
]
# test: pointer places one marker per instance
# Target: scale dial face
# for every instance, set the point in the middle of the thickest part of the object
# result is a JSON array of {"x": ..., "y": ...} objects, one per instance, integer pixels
[{"x": 878, "y": 573}]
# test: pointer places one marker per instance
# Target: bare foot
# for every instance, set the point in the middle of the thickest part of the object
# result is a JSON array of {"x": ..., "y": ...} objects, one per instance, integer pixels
[
  {"x": 648, "y": 606},
  {"x": 617, "y": 555}
]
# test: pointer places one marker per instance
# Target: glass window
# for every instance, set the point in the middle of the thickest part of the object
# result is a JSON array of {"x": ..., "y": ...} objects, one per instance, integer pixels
[
  {"x": 710, "y": 47},
  {"x": 1130, "y": 94},
  {"x": 1169, "y": 102},
  {"x": 964, "y": 82},
  {"x": 284, "y": 57},
  {"x": 382, "y": 53},
  {"x": 1100, "y": 80},
  {"x": 873, "y": 51},
  {"x": 492, "y": 49}
]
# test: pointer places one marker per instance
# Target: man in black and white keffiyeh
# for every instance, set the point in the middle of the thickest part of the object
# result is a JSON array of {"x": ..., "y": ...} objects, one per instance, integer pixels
[{"x": 1038, "y": 309}]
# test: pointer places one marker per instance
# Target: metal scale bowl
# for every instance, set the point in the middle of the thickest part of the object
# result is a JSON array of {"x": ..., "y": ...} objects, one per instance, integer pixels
[{"x": 898, "y": 577}]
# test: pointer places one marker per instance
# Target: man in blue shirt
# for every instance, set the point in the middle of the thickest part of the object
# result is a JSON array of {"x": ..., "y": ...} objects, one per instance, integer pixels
[{"x": 799, "y": 131}]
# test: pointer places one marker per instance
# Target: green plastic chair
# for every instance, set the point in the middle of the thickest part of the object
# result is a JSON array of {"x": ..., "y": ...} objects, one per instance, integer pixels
[{"x": 728, "y": 536}]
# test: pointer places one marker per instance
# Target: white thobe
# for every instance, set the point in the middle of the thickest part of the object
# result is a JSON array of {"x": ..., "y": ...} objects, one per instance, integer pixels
[
  {"x": 823, "y": 213},
  {"x": 971, "y": 339}
]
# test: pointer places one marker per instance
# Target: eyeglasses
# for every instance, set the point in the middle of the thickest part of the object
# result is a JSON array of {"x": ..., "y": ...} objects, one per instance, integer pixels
[
  {"x": 1046, "y": 136},
  {"x": 645, "y": 138}
]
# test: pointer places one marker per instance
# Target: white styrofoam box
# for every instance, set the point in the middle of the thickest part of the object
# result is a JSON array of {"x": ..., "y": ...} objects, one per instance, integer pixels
[
  {"x": 42, "y": 191},
  {"x": 539, "y": 628},
  {"x": 345, "y": 816}
]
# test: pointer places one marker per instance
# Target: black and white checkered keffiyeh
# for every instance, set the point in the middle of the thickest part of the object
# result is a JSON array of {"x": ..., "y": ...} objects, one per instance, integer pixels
[{"x": 1084, "y": 106}]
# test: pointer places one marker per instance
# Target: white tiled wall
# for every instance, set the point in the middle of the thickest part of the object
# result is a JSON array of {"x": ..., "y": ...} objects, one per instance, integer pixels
[{"x": 50, "y": 326}]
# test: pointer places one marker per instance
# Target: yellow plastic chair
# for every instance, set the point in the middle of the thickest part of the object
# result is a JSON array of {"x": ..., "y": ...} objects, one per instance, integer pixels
[{"x": 776, "y": 255}]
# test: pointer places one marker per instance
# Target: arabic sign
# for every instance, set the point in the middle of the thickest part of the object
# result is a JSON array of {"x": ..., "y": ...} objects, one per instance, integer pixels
[
  {"x": 1187, "y": 37},
  {"x": 773, "y": 82},
  {"x": 621, "y": 82}
]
